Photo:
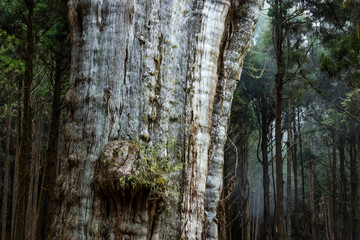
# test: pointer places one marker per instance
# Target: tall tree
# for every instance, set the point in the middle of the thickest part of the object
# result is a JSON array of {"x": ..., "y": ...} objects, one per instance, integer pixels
[
  {"x": 25, "y": 151},
  {"x": 129, "y": 82},
  {"x": 7, "y": 160},
  {"x": 279, "y": 78},
  {"x": 56, "y": 43}
]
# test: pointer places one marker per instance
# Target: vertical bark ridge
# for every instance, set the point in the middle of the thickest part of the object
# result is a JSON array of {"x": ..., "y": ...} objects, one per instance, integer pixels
[
  {"x": 243, "y": 21},
  {"x": 202, "y": 93}
]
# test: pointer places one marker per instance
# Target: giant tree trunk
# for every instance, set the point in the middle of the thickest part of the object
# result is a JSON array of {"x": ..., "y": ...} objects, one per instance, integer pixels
[{"x": 151, "y": 71}]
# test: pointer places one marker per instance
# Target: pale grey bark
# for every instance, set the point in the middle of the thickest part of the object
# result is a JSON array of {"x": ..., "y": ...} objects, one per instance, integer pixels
[{"x": 151, "y": 71}]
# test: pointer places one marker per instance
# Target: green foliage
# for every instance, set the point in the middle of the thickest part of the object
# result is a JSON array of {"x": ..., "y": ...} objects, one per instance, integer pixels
[
  {"x": 154, "y": 169},
  {"x": 352, "y": 103},
  {"x": 343, "y": 58}
]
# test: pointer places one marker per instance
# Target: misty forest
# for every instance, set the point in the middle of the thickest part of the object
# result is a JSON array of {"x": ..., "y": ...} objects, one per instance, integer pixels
[{"x": 179, "y": 119}]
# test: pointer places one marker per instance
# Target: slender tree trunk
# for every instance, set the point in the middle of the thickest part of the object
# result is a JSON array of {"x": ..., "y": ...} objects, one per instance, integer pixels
[
  {"x": 355, "y": 189},
  {"x": 295, "y": 169},
  {"x": 47, "y": 193},
  {"x": 7, "y": 161},
  {"x": 278, "y": 38},
  {"x": 288, "y": 175},
  {"x": 25, "y": 152},
  {"x": 344, "y": 225},
  {"x": 266, "y": 178},
  {"x": 32, "y": 202},
  {"x": 326, "y": 225},
  {"x": 16, "y": 160},
  {"x": 329, "y": 222},
  {"x": 272, "y": 166},
  {"x": 334, "y": 188},
  {"x": 147, "y": 70},
  {"x": 312, "y": 196},
  {"x": 302, "y": 172},
  {"x": 245, "y": 190},
  {"x": 257, "y": 215}
]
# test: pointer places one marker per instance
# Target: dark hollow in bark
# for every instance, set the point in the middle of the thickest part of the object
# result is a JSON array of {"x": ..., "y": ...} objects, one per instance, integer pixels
[{"x": 121, "y": 192}]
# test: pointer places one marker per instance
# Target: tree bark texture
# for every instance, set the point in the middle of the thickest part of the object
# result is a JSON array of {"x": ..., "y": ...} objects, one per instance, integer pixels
[
  {"x": 16, "y": 160},
  {"x": 355, "y": 222},
  {"x": 151, "y": 71},
  {"x": 295, "y": 169},
  {"x": 312, "y": 195},
  {"x": 334, "y": 189},
  {"x": 25, "y": 151},
  {"x": 47, "y": 192},
  {"x": 7, "y": 161},
  {"x": 343, "y": 189},
  {"x": 288, "y": 174},
  {"x": 265, "y": 124},
  {"x": 32, "y": 202},
  {"x": 280, "y": 227}
]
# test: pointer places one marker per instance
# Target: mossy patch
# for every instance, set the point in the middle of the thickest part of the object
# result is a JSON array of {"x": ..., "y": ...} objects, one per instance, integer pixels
[{"x": 126, "y": 166}]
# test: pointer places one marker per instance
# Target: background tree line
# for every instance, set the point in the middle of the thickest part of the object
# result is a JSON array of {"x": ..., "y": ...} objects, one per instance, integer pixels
[
  {"x": 294, "y": 132},
  {"x": 35, "y": 64}
]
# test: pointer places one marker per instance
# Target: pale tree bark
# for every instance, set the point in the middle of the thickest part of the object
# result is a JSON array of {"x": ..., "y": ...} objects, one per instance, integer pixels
[{"x": 151, "y": 71}]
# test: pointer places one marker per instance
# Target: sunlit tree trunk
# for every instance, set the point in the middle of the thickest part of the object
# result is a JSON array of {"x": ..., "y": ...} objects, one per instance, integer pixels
[{"x": 151, "y": 71}]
